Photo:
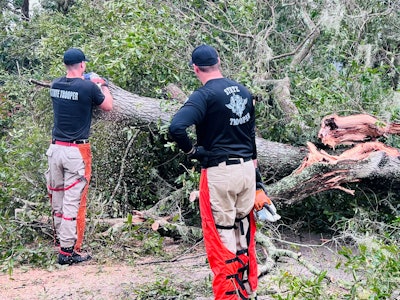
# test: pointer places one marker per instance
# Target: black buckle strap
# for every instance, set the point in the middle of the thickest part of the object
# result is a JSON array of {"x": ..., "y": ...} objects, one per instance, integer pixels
[
  {"x": 243, "y": 251},
  {"x": 229, "y": 161},
  {"x": 225, "y": 227},
  {"x": 236, "y": 161},
  {"x": 83, "y": 141}
]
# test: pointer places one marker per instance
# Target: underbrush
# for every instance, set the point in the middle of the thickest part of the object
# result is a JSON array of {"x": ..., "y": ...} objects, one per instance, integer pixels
[{"x": 367, "y": 255}]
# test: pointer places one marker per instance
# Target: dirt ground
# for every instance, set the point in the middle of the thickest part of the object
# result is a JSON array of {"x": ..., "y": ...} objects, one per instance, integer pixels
[{"x": 93, "y": 280}]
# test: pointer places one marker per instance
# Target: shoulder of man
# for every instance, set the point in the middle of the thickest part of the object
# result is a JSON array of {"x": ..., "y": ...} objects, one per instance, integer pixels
[{"x": 55, "y": 80}]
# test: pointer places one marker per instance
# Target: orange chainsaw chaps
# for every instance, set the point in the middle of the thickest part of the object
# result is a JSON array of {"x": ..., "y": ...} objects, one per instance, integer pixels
[
  {"x": 81, "y": 217},
  {"x": 228, "y": 268}
]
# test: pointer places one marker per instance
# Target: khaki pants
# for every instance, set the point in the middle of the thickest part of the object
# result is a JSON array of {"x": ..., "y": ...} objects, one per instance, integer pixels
[
  {"x": 232, "y": 194},
  {"x": 67, "y": 179},
  {"x": 227, "y": 195}
]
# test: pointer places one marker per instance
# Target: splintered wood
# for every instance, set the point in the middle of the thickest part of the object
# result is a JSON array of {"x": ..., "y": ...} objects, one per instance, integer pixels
[
  {"x": 357, "y": 153},
  {"x": 336, "y": 130},
  {"x": 361, "y": 130}
]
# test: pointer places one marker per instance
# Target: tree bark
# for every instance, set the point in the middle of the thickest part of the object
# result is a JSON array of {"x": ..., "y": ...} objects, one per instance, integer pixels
[
  {"x": 378, "y": 167},
  {"x": 142, "y": 110}
]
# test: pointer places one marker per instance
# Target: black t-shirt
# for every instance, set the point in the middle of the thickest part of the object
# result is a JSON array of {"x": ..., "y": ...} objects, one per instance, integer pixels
[
  {"x": 223, "y": 113},
  {"x": 73, "y": 102}
]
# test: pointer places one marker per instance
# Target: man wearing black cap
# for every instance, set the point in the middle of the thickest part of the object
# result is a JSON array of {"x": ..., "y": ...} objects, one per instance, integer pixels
[
  {"x": 69, "y": 154},
  {"x": 223, "y": 112}
]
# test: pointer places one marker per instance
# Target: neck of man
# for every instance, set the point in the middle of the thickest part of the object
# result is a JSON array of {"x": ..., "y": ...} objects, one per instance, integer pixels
[
  {"x": 74, "y": 74},
  {"x": 204, "y": 77},
  {"x": 75, "y": 71}
]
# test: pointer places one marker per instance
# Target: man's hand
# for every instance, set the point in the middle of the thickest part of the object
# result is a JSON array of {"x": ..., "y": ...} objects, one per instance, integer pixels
[
  {"x": 265, "y": 208},
  {"x": 262, "y": 200},
  {"x": 96, "y": 79},
  {"x": 99, "y": 81},
  {"x": 197, "y": 152}
]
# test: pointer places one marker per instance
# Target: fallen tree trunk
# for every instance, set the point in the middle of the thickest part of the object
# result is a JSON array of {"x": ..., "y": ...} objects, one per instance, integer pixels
[
  {"x": 375, "y": 163},
  {"x": 320, "y": 171},
  {"x": 142, "y": 110},
  {"x": 378, "y": 167},
  {"x": 277, "y": 160}
]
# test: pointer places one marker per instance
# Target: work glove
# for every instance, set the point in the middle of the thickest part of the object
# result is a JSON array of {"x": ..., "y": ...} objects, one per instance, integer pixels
[
  {"x": 197, "y": 152},
  {"x": 265, "y": 208},
  {"x": 99, "y": 81}
]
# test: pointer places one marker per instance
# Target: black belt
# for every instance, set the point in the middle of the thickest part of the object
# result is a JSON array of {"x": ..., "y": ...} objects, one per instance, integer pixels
[
  {"x": 230, "y": 161},
  {"x": 71, "y": 142}
]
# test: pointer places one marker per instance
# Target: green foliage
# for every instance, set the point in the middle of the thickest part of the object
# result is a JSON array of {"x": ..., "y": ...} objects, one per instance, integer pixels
[
  {"x": 146, "y": 29},
  {"x": 22, "y": 186},
  {"x": 327, "y": 211},
  {"x": 125, "y": 54},
  {"x": 303, "y": 288},
  {"x": 375, "y": 268},
  {"x": 130, "y": 164},
  {"x": 189, "y": 180},
  {"x": 349, "y": 88},
  {"x": 373, "y": 259},
  {"x": 22, "y": 244},
  {"x": 164, "y": 289},
  {"x": 158, "y": 290}
]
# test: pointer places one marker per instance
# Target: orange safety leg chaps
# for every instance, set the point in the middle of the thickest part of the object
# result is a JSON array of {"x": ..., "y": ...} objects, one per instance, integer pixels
[
  {"x": 81, "y": 217},
  {"x": 228, "y": 267}
]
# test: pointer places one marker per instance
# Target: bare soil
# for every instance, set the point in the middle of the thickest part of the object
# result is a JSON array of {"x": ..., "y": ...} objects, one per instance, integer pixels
[{"x": 95, "y": 280}]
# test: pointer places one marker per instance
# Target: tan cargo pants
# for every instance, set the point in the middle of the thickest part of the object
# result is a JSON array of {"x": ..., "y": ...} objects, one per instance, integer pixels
[
  {"x": 68, "y": 177},
  {"x": 232, "y": 194}
]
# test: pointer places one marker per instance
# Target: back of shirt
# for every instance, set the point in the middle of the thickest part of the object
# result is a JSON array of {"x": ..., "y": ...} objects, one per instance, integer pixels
[
  {"x": 73, "y": 100},
  {"x": 223, "y": 113}
]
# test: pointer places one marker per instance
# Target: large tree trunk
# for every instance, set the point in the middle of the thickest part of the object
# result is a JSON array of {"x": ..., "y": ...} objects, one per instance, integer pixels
[
  {"x": 294, "y": 173},
  {"x": 374, "y": 163},
  {"x": 277, "y": 160}
]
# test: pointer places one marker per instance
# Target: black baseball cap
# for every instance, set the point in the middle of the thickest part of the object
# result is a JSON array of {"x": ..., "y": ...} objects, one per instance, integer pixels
[
  {"x": 204, "y": 55},
  {"x": 73, "y": 56}
]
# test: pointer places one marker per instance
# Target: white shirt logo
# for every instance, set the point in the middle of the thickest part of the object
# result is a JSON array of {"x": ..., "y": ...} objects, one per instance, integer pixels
[{"x": 237, "y": 105}]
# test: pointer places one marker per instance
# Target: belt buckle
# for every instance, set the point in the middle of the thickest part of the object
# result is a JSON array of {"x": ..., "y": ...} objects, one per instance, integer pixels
[
  {"x": 77, "y": 142},
  {"x": 233, "y": 161}
]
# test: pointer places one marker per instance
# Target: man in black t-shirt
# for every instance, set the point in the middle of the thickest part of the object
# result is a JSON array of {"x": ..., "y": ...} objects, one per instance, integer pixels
[
  {"x": 69, "y": 154},
  {"x": 222, "y": 111}
]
